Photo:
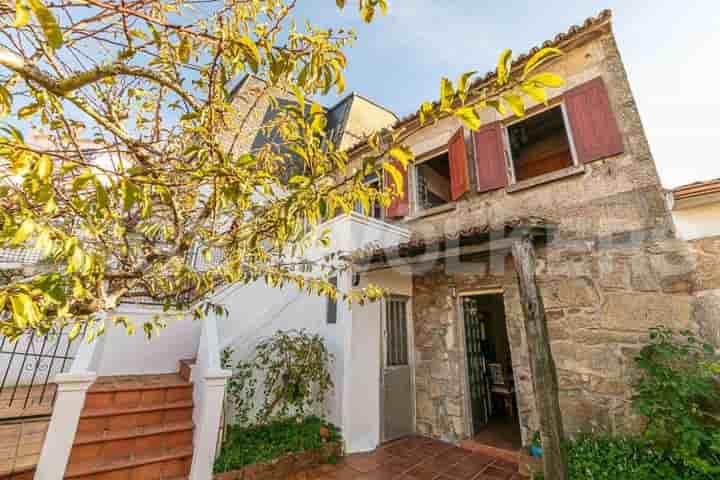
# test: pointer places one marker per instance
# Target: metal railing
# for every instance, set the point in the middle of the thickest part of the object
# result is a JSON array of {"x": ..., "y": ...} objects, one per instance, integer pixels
[{"x": 27, "y": 367}]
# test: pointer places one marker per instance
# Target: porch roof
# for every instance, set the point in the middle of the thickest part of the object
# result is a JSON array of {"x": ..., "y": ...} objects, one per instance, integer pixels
[{"x": 480, "y": 239}]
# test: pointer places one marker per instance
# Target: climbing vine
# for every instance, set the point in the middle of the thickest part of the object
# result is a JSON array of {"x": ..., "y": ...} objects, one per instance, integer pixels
[{"x": 287, "y": 375}]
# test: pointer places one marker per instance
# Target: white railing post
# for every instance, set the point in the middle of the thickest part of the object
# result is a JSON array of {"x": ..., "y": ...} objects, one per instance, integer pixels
[
  {"x": 209, "y": 392},
  {"x": 72, "y": 388}
]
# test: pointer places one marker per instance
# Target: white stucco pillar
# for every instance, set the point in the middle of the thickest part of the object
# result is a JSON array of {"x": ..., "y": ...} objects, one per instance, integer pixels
[
  {"x": 71, "y": 391},
  {"x": 209, "y": 394}
]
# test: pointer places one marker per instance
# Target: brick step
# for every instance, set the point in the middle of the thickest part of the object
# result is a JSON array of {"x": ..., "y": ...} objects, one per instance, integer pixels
[
  {"x": 163, "y": 464},
  {"x": 115, "y": 447},
  {"x": 88, "y": 437},
  {"x": 123, "y": 419}
]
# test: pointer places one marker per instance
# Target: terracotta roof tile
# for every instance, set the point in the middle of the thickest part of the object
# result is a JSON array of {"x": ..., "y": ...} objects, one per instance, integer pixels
[
  {"x": 697, "y": 189},
  {"x": 478, "y": 233}
]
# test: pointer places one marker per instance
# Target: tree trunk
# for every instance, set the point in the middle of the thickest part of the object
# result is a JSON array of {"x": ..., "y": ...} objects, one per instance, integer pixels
[{"x": 542, "y": 365}]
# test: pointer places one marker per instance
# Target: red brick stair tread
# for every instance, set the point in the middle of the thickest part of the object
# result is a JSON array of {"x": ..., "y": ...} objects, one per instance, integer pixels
[
  {"x": 108, "y": 412},
  {"x": 142, "y": 431},
  {"x": 138, "y": 382},
  {"x": 102, "y": 465}
]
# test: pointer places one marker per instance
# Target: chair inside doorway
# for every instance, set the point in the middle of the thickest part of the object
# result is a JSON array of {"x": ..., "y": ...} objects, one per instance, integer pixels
[{"x": 491, "y": 386}]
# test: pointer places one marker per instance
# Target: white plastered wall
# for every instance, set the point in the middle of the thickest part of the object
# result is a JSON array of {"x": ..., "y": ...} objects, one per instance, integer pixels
[
  {"x": 698, "y": 221},
  {"x": 257, "y": 311},
  {"x": 125, "y": 354}
]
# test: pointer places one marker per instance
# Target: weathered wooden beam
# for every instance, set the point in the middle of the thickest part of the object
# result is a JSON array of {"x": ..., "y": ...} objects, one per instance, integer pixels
[{"x": 542, "y": 365}]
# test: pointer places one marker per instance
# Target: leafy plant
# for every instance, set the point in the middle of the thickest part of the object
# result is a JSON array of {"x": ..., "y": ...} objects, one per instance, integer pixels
[
  {"x": 291, "y": 368},
  {"x": 678, "y": 393},
  {"x": 605, "y": 457},
  {"x": 259, "y": 444}
]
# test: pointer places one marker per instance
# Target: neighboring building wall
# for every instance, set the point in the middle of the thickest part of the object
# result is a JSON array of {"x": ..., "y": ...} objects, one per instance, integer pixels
[
  {"x": 613, "y": 270},
  {"x": 698, "y": 222},
  {"x": 707, "y": 305}
]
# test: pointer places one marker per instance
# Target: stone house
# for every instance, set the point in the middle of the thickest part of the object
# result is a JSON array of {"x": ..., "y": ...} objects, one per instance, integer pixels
[{"x": 610, "y": 267}]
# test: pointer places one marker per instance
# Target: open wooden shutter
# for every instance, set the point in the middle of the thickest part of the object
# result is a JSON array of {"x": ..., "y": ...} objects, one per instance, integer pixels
[
  {"x": 400, "y": 207},
  {"x": 490, "y": 158},
  {"x": 593, "y": 123},
  {"x": 459, "y": 181}
]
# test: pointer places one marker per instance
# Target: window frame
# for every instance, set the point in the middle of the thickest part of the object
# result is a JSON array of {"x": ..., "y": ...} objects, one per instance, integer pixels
[
  {"x": 512, "y": 179},
  {"x": 415, "y": 206},
  {"x": 330, "y": 302}
]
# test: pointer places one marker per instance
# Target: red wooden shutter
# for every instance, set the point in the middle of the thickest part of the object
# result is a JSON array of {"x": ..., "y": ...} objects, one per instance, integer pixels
[
  {"x": 593, "y": 123},
  {"x": 399, "y": 207},
  {"x": 459, "y": 181},
  {"x": 490, "y": 158}
]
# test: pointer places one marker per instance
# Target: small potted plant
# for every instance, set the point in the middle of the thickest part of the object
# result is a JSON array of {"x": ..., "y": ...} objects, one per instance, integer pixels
[{"x": 536, "y": 446}]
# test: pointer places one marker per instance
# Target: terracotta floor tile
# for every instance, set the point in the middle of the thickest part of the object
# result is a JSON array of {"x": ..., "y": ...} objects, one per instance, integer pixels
[
  {"x": 416, "y": 458},
  {"x": 494, "y": 473}
]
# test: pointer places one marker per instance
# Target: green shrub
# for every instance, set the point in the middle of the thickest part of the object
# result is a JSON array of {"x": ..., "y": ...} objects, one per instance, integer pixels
[
  {"x": 263, "y": 443},
  {"x": 678, "y": 395},
  {"x": 603, "y": 457},
  {"x": 290, "y": 369}
]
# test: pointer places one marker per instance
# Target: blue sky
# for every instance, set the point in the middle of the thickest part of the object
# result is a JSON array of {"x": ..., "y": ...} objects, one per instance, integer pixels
[{"x": 670, "y": 50}]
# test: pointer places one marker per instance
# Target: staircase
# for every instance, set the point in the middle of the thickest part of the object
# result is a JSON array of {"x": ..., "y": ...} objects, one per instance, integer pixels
[{"x": 135, "y": 428}]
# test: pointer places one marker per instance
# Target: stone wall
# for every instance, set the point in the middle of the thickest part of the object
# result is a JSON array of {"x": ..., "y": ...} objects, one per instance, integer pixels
[{"x": 600, "y": 301}]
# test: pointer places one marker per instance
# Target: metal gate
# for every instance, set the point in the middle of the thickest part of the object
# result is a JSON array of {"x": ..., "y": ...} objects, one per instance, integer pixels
[
  {"x": 397, "y": 394},
  {"x": 27, "y": 367},
  {"x": 477, "y": 370}
]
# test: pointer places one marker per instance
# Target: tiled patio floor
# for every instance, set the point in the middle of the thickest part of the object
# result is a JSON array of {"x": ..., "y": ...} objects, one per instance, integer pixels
[{"x": 416, "y": 458}]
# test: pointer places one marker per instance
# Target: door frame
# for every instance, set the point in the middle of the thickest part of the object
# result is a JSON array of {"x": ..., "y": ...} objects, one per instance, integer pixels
[
  {"x": 461, "y": 329},
  {"x": 383, "y": 358}
]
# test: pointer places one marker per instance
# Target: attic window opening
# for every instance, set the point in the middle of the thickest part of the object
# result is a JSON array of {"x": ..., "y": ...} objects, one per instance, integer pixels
[
  {"x": 540, "y": 144},
  {"x": 432, "y": 182}
]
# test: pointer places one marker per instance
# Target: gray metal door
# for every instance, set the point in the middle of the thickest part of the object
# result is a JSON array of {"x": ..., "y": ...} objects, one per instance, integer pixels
[{"x": 397, "y": 395}]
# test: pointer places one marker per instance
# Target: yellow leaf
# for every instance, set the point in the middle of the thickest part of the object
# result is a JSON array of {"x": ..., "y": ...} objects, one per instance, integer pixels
[
  {"x": 74, "y": 331},
  {"x": 395, "y": 174},
  {"x": 23, "y": 233},
  {"x": 447, "y": 93},
  {"x": 22, "y": 14},
  {"x": 516, "y": 103},
  {"x": 28, "y": 110},
  {"x": 402, "y": 154},
  {"x": 536, "y": 93},
  {"x": 547, "y": 80},
  {"x": 539, "y": 58},
  {"x": 367, "y": 12},
  {"x": 469, "y": 117},
  {"x": 503, "y": 70},
  {"x": 44, "y": 167},
  {"x": 340, "y": 3},
  {"x": 498, "y": 106},
  {"x": 5, "y": 101},
  {"x": 463, "y": 84},
  {"x": 49, "y": 24},
  {"x": 251, "y": 52},
  {"x": 184, "y": 49}
]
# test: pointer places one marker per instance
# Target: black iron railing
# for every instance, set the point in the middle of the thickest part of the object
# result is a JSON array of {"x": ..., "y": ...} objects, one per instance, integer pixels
[{"x": 27, "y": 368}]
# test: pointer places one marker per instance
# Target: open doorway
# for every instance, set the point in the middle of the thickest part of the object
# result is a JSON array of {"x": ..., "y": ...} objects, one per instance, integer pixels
[{"x": 490, "y": 380}]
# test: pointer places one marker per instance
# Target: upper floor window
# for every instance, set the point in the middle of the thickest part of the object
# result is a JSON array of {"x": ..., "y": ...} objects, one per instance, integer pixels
[
  {"x": 539, "y": 144},
  {"x": 432, "y": 182}
]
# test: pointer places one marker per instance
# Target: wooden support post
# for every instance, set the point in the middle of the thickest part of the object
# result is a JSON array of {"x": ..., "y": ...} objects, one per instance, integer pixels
[{"x": 542, "y": 365}]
